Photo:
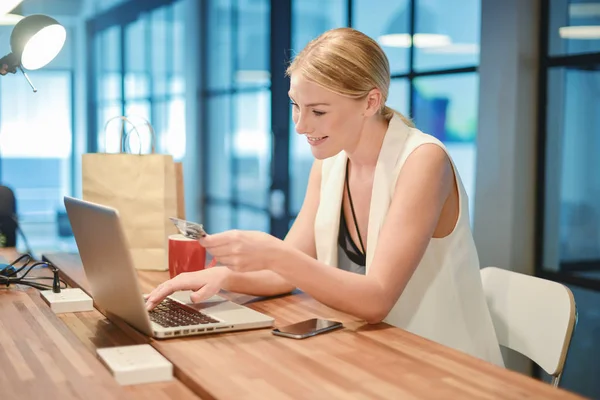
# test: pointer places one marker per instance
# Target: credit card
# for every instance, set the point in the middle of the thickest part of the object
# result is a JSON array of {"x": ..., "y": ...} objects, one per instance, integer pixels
[{"x": 189, "y": 229}]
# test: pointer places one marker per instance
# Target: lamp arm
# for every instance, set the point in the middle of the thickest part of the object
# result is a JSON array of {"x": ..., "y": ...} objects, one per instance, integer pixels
[
  {"x": 28, "y": 80},
  {"x": 9, "y": 63}
]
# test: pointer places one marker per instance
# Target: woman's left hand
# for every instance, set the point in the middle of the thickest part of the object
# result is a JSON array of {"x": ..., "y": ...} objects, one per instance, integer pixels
[{"x": 244, "y": 251}]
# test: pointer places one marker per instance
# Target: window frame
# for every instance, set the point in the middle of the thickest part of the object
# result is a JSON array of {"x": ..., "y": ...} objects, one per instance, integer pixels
[{"x": 546, "y": 63}]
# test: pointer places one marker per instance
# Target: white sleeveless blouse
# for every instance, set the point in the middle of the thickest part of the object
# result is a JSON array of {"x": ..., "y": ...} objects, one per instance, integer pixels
[{"x": 443, "y": 301}]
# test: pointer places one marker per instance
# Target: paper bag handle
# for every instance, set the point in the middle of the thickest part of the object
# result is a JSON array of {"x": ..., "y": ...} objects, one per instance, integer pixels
[{"x": 124, "y": 135}]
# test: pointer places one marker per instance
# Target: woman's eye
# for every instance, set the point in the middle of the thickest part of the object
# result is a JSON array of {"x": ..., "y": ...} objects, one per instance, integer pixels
[
  {"x": 318, "y": 113},
  {"x": 293, "y": 104}
]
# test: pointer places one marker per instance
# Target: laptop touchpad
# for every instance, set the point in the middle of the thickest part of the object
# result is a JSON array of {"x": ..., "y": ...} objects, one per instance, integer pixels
[
  {"x": 219, "y": 307},
  {"x": 213, "y": 304}
]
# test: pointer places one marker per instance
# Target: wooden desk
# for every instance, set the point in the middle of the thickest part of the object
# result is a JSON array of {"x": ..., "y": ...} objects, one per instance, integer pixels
[
  {"x": 359, "y": 362},
  {"x": 50, "y": 356}
]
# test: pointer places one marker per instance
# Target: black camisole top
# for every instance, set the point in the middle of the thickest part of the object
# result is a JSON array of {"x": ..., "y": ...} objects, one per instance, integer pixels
[{"x": 355, "y": 254}]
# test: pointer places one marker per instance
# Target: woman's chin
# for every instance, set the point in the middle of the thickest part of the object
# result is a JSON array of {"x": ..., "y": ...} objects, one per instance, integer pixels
[{"x": 321, "y": 153}]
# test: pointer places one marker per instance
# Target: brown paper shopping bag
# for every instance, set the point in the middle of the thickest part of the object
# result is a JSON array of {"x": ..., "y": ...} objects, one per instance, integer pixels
[
  {"x": 142, "y": 187},
  {"x": 180, "y": 190}
]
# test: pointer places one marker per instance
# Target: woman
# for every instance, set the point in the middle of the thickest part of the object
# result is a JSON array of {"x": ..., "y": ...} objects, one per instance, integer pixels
[{"x": 384, "y": 205}]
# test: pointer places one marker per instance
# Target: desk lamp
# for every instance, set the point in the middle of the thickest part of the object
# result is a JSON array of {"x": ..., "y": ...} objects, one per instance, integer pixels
[{"x": 34, "y": 42}]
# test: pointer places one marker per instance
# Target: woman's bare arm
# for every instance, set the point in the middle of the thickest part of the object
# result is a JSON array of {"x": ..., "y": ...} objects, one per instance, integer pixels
[{"x": 424, "y": 184}]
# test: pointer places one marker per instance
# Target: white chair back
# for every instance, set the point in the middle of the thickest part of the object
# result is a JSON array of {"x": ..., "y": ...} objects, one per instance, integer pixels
[{"x": 532, "y": 316}]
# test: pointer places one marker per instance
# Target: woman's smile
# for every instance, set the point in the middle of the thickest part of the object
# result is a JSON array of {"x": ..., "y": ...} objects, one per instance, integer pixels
[{"x": 315, "y": 141}]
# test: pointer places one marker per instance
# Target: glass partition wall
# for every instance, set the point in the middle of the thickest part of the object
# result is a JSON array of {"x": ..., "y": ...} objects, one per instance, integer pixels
[
  {"x": 255, "y": 166},
  {"x": 568, "y": 211},
  {"x": 569, "y": 226},
  {"x": 236, "y": 103},
  {"x": 136, "y": 65}
]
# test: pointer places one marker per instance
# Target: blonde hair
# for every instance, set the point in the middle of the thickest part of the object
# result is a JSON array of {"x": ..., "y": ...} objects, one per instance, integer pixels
[{"x": 348, "y": 63}]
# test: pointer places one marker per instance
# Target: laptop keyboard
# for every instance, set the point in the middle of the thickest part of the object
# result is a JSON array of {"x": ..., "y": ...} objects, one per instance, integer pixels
[{"x": 170, "y": 313}]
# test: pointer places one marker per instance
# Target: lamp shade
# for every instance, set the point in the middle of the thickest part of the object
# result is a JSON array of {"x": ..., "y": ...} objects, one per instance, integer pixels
[{"x": 36, "y": 40}]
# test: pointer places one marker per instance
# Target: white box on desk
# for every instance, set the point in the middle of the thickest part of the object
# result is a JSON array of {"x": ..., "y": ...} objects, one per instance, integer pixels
[
  {"x": 68, "y": 300},
  {"x": 132, "y": 365}
]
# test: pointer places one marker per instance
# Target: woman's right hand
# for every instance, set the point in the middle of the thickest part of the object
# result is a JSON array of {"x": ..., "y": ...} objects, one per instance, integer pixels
[{"x": 205, "y": 284}]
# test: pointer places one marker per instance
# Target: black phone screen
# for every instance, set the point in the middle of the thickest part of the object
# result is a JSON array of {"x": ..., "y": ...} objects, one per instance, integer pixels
[{"x": 309, "y": 326}]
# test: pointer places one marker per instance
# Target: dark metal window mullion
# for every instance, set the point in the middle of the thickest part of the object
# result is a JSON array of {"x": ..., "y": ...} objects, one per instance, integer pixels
[
  {"x": 123, "y": 72},
  {"x": 411, "y": 58},
  {"x": 349, "y": 13},
  {"x": 74, "y": 140},
  {"x": 233, "y": 164},
  {"x": 202, "y": 101},
  {"x": 91, "y": 82},
  {"x": 169, "y": 66},
  {"x": 149, "y": 71},
  {"x": 447, "y": 71},
  {"x": 280, "y": 44},
  {"x": 583, "y": 59},
  {"x": 213, "y": 200},
  {"x": 541, "y": 161},
  {"x": 235, "y": 90}
]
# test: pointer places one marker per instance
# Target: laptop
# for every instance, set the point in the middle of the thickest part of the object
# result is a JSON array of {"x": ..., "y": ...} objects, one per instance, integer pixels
[{"x": 114, "y": 284}]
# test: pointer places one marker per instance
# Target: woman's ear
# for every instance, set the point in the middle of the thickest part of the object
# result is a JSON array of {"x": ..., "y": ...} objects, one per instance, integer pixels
[{"x": 374, "y": 102}]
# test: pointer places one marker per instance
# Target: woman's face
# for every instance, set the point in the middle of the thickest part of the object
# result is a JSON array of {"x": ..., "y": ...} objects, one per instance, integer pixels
[{"x": 330, "y": 122}]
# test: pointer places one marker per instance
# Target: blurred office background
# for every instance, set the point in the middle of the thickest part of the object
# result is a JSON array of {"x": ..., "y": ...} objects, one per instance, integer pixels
[{"x": 510, "y": 87}]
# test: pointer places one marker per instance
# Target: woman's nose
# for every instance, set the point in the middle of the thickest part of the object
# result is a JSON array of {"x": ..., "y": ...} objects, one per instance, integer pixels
[{"x": 301, "y": 126}]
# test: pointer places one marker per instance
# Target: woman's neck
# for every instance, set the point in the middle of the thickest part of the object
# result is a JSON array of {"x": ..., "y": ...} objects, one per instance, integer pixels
[{"x": 365, "y": 153}]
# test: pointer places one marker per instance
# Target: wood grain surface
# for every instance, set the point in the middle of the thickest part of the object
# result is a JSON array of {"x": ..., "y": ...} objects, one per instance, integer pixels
[
  {"x": 42, "y": 359},
  {"x": 76, "y": 336},
  {"x": 360, "y": 361},
  {"x": 94, "y": 331}
]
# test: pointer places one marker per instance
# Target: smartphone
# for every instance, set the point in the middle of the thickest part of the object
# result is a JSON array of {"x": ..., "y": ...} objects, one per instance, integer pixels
[{"x": 307, "y": 328}]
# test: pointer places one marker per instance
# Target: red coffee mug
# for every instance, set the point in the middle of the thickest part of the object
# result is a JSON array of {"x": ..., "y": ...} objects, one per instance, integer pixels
[{"x": 185, "y": 255}]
